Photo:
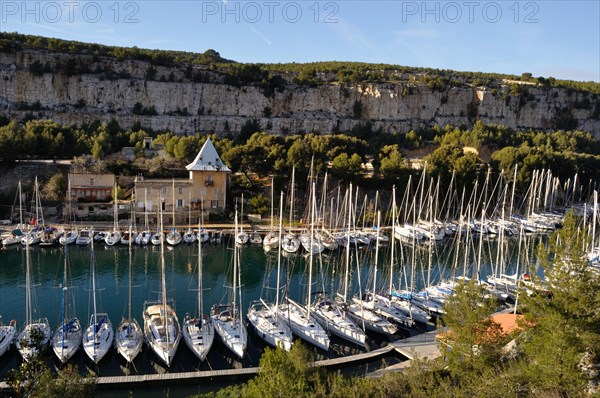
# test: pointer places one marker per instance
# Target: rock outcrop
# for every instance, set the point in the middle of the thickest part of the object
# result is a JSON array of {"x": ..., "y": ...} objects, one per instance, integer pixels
[{"x": 76, "y": 89}]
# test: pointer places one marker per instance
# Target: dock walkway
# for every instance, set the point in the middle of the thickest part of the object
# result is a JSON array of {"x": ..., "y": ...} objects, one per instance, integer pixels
[{"x": 422, "y": 346}]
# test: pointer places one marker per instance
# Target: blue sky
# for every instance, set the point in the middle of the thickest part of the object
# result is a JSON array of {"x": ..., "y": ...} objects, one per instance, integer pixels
[{"x": 546, "y": 38}]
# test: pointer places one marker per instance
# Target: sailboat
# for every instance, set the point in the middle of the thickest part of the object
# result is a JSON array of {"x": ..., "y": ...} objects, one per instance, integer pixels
[
  {"x": 189, "y": 237},
  {"x": 241, "y": 237},
  {"x": 35, "y": 335},
  {"x": 68, "y": 335},
  {"x": 7, "y": 335},
  {"x": 198, "y": 332},
  {"x": 50, "y": 237},
  {"x": 264, "y": 317},
  {"x": 271, "y": 239},
  {"x": 16, "y": 234},
  {"x": 290, "y": 243},
  {"x": 143, "y": 238},
  {"x": 85, "y": 237},
  {"x": 129, "y": 336},
  {"x": 299, "y": 317},
  {"x": 69, "y": 235},
  {"x": 34, "y": 235},
  {"x": 114, "y": 237},
  {"x": 161, "y": 326},
  {"x": 226, "y": 317},
  {"x": 173, "y": 237},
  {"x": 130, "y": 236},
  {"x": 99, "y": 335}
]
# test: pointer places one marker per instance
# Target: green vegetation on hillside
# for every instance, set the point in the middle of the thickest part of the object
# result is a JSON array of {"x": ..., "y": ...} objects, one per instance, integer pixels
[
  {"x": 274, "y": 76},
  {"x": 16, "y": 41},
  {"x": 257, "y": 154}
]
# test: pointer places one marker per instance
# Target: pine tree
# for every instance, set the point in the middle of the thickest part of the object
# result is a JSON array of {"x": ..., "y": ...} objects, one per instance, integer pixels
[{"x": 566, "y": 319}]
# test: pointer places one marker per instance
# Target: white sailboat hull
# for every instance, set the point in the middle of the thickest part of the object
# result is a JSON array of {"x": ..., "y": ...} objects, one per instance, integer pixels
[
  {"x": 273, "y": 331},
  {"x": 189, "y": 237},
  {"x": 7, "y": 336},
  {"x": 198, "y": 335},
  {"x": 85, "y": 237},
  {"x": 371, "y": 321},
  {"x": 98, "y": 337},
  {"x": 232, "y": 332},
  {"x": 25, "y": 343},
  {"x": 336, "y": 322},
  {"x": 113, "y": 238},
  {"x": 128, "y": 339},
  {"x": 173, "y": 238},
  {"x": 302, "y": 326},
  {"x": 290, "y": 243},
  {"x": 67, "y": 339},
  {"x": 271, "y": 240},
  {"x": 162, "y": 331},
  {"x": 143, "y": 238},
  {"x": 68, "y": 238}
]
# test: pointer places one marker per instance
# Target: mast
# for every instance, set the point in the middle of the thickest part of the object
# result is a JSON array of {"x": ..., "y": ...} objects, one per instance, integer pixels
[
  {"x": 146, "y": 209},
  {"x": 39, "y": 213},
  {"x": 348, "y": 244},
  {"x": 480, "y": 247},
  {"x": 235, "y": 251},
  {"x": 377, "y": 251},
  {"x": 512, "y": 195},
  {"x": 323, "y": 205},
  {"x": 241, "y": 216},
  {"x": 279, "y": 254},
  {"x": 163, "y": 283},
  {"x": 594, "y": 218},
  {"x": 27, "y": 284},
  {"x": 200, "y": 302},
  {"x": 64, "y": 301},
  {"x": 115, "y": 212},
  {"x": 94, "y": 297},
  {"x": 173, "y": 195},
  {"x": 392, "y": 239},
  {"x": 292, "y": 198},
  {"x": 312, "y": 237},
  {"x": 190, "y": 212},
  {"x": 272, "y": 182},
  {"x": 20, "y": 206},
  {"x": 129, "y": 287}
]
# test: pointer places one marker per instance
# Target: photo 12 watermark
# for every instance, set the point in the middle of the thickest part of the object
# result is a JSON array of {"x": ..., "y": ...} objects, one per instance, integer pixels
[
  {"x": 469, "y": 11},
  {"x": 270, "y": 11},
  {"x": 69, "y": 11}
]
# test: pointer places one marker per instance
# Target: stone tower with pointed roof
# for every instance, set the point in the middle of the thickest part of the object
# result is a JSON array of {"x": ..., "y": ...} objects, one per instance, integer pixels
[
  {"x": 209, "y": 175},
  {"x": 205, "y": 188}
]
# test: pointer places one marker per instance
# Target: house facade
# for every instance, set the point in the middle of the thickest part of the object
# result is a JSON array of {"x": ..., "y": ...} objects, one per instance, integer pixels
[{"x": 89, "y": 196}]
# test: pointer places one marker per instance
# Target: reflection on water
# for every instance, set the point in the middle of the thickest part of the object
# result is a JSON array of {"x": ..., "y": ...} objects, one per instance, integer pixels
[{"x": 413, "y": 266}]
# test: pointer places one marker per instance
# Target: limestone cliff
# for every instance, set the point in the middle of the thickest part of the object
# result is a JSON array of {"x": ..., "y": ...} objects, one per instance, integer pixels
[{"x": 76, "y": 89}]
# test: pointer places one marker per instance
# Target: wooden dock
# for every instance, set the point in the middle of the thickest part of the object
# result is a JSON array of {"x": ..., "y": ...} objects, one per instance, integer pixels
[
  {"x": 355, "y": 359},
  {"x": 224, "y": 375},
  {"x": 179, "y": 378},
  {"x": 423, "y": 346}
]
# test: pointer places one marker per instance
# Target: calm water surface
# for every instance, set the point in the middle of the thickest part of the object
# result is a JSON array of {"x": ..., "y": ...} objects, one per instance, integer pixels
[{"x": 414, "y": 266}]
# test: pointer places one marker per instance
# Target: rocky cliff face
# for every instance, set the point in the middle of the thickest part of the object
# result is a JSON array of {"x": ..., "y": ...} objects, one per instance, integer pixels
[{"x": 76, "y": 89}]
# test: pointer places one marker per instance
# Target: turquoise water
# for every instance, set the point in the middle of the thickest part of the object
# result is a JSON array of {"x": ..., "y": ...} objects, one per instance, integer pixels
[{"x": 430, "y": 263}]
